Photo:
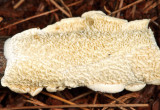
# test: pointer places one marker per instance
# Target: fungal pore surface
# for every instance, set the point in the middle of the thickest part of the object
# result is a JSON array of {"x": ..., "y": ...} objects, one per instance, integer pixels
[{"x": 97, "y": 51}]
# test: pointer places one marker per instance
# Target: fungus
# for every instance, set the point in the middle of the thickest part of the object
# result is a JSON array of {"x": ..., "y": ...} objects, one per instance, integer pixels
[{"x": 100, "y": 52}]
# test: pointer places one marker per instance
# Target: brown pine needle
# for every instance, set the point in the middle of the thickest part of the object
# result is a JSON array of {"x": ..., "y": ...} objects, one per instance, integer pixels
[
  {"x": 78, "y": 106},
  {"x": 2, "y": 97},
  {"x": 60, "y": 8},
  {"x": 131, "y": 95},
  {"x": 58, "y": 98},
  {"x": 154, "y": 22},
  {"x": 34, "y": 101},
  {"x": 95, "y": 99},
  {"x": 154, "y": 18},
  {"x": 61, "y": 99},
  {"x": 113, "y": 102},
  {"x": 148, "y": 4},
  {"x": 18, "y": 4},
  {"x": 120, "y": 6},
  {"x": 151, "y": 6},
  {"x": 1, "y": 19},
  {"x": 117, "y": 99},
  {"x": 133, "y": 11},
  {"x": 36, "y": 16},
  {"x": 66, "y": 7},
  {"x": 80, "y": 96},
  {"x": 108, "y": 11},
  {"x": 128, "y": 6}
]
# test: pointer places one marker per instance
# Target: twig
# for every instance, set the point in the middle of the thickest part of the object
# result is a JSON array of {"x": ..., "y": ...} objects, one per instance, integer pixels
[
  {"x": 18, "y": 4},
  {"x": 80, "y": 96},
  {"x": 120, "y": 6},
  {"x": 60, "y": 8},
  {"x": 59, "y": 98},
  {"x": 134, "y": 3},
  {"x": 78, "y": 106},
  {"x": 36, "y": 16}
]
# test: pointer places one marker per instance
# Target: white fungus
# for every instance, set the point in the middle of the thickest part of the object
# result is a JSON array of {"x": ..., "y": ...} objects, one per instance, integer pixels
[{"x": 100, "y": 52}]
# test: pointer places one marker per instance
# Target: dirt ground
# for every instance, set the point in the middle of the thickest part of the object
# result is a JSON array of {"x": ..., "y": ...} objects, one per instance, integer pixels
[{"x": 19, "y": 15}]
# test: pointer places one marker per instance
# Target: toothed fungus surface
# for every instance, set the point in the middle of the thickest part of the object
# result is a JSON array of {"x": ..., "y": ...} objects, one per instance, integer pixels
[{"x": 100, "y": 52}]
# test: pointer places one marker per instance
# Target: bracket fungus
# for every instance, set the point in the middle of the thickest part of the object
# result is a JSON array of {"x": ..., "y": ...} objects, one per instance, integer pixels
[{"x": 100, "y": 52}]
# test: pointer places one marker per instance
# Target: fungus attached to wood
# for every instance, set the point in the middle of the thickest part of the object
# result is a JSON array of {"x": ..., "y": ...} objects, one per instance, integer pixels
[{"x": 100, "y": 52}]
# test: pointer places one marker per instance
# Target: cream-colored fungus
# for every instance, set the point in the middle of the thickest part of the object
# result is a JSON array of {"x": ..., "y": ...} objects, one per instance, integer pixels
[{"x": 100, "y": 52}]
